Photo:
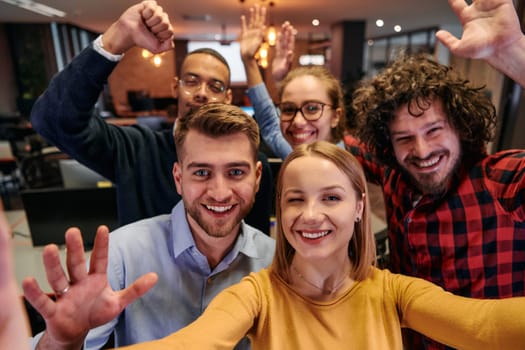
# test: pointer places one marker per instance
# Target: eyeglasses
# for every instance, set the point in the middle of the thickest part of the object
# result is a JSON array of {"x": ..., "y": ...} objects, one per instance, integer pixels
[
  {"x": 311, "y": 110},
  {"x": 192, "y": 83}
]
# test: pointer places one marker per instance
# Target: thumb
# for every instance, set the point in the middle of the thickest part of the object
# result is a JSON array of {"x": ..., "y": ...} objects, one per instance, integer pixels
[
  {"x": 137, "y": 289},
  {"x": 447, "y": 39}
]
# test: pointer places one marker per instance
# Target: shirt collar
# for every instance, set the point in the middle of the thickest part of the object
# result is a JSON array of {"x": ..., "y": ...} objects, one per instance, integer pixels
[
  {"x": 180, "y": 230},
  {"x": 183, "y": 239}
]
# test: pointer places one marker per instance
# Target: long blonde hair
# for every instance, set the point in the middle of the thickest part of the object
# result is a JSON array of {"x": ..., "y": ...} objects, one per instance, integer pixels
[{"x": 361, "y": 249}]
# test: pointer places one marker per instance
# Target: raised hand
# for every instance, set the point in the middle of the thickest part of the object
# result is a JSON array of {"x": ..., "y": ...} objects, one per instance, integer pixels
[
  {"x": 252, "y": 33},
  {"x": 491, "y": 31},
  {"x": 488, "y": 26},
  {"x": 84, "y": 300},
  {"x": 145, "y": 25},
  {"x": 14, "y": 331},
  {"x": 284, "y": 51}
]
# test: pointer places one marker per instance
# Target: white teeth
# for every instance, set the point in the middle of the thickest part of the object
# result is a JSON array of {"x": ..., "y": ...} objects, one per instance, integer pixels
[
  {"x": 314, "y": 235},
  {"x": 428, "y": 163},
  {"x": 218, "y": 209},
  {"x": 302, "y": 136}
]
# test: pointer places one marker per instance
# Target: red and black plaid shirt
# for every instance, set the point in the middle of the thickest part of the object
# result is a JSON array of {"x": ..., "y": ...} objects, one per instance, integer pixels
[{"x": 471, "y": 241}]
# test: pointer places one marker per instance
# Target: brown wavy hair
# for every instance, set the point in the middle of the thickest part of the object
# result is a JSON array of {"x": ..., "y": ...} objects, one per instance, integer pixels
[
  {"x": 417, "y": 81},
  {"x": 215, "y": 120}
]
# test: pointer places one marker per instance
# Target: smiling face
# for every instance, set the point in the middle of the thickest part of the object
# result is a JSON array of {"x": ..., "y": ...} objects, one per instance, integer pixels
[
  {"x": 302, "y": 89},
  {"x": 217, "y": 178},
  {"x": 204, "y": 69},
  {"x": 426, "y": 147},
  {"x": 319, "y": 208}
]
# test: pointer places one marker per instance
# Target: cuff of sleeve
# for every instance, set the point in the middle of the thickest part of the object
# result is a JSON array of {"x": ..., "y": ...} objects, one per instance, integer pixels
[{"x": 97, "y": 45}]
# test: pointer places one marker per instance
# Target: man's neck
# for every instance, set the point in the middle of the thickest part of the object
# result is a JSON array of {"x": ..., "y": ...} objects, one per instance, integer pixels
[{"x": 215, "y": 248}]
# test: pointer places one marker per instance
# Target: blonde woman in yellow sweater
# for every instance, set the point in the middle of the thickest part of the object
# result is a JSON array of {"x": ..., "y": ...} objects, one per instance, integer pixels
[{"x": 322, "y": 291}]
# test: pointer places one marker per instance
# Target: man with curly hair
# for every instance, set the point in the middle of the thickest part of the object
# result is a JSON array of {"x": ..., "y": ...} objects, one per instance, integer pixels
[{"x": 456, "y": 215}]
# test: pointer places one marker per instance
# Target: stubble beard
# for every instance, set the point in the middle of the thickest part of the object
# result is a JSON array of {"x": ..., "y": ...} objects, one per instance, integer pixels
[
  {"x": 430, "y": 184},
  {"x": 220, "y": 227}
]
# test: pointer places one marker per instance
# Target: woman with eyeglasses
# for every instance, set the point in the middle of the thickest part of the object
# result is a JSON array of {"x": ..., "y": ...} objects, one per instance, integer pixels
[{"x": 311, "y": 104}]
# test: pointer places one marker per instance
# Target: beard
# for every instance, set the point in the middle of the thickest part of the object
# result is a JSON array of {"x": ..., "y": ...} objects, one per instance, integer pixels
[
  {"x": 217, "y": 227},
  {"x": 433, "y": 183}
]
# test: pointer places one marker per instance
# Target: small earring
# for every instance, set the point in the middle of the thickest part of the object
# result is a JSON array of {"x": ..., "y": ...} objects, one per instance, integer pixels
[{"x": 357, "y": 220}]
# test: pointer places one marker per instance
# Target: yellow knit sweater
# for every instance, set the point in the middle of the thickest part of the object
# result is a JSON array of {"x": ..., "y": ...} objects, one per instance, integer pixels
[{"x": 367, "y": 316}]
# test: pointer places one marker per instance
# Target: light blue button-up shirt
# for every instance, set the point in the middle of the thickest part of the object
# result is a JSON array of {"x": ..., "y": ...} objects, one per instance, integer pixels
[{"x": 164, "y": 244}]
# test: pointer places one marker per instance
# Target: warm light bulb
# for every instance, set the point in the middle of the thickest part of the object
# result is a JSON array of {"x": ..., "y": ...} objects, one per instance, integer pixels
[
  {"x": 263, "y": 53},
  {"x": 157, "y": 60},
  {"x": 146, "y": 53},
  {"x": 272, "y": 35}
]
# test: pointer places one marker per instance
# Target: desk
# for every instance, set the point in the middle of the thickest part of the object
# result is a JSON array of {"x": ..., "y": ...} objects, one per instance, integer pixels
[{"x": 28, "y": 259}]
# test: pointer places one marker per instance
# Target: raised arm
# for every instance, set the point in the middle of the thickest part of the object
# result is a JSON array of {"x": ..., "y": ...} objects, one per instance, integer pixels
[
  {"x": 14, "y": 328},
  {"x": 252, "y": 35},
  {"x": 145, "y": 25},
  {"x": 84, "y": 300},
  {"x": 251, "y": 39},
  {"x": 491, "y": 31},
  {"x": 64, "y": 116}
]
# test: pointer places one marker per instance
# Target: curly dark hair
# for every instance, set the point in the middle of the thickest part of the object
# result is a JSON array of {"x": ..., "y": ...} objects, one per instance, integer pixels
[{"x": 416, "y": 81}]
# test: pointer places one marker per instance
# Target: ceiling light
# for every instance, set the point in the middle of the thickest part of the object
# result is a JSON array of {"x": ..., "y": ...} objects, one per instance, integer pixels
[
  {"x": 36, "y": 7},
  {"x": 380, "y": 23},
  {"x": 397, "y": 28},
  {"x": 271, "y": 34},
  {"x": 315, "y": 22}
]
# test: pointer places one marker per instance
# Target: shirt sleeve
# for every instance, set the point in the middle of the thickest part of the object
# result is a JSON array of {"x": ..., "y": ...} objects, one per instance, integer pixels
[
  {"x": 98, "y": 46},
  {"x": 461, "y": 322},
  {"x": 64, "y": 114},
  {"x": 374, "y": 172},
  {"x": 268, "y": 119},
  {"x": 223, "y": 324}
]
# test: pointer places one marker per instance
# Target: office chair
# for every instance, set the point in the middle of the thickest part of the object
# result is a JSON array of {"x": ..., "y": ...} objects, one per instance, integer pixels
[{"x": 42, "y": 169}]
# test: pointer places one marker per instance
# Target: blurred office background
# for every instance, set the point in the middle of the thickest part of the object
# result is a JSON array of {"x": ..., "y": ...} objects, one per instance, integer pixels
[{"x": 354, "y": 39}]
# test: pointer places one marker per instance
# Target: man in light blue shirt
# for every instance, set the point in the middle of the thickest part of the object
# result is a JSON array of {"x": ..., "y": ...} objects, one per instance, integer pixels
[
  {"x": 187, "y": 283},
  {"x": 196, "y": 251}
]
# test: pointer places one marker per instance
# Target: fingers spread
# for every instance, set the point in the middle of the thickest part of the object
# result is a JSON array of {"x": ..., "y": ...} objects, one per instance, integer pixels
[
  {"x": 75, "y": 258},
  {"x": 37, "y": 298},
  {"x": 138, "y": 288},
  {"x": 99, "y": 255},
  {"x": 457, "y": 5},
  {"x": 447, "y": 39},
  {"x": 55, "y": 273}
]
